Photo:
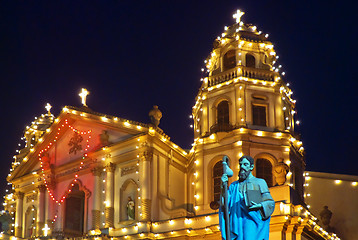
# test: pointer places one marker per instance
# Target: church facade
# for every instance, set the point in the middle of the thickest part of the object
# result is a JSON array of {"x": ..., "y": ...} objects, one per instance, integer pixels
[{"x": 85, "y": 174}]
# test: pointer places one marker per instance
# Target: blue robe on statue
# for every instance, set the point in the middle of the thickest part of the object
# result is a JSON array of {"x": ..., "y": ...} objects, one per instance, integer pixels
[{"x": 245, "y": 224}]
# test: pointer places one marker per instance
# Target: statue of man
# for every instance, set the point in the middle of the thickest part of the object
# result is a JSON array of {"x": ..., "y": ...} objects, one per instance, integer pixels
[
  {"x": 130, "y": 209},
  {"x": 250, "y": 205}
]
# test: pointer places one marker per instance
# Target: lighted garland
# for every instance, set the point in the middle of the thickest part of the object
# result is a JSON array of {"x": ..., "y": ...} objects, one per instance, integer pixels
[{"x": 40, "y": 155}]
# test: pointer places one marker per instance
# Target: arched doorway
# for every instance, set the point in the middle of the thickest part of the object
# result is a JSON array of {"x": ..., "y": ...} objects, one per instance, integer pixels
[{"x": 74, "y": 212}]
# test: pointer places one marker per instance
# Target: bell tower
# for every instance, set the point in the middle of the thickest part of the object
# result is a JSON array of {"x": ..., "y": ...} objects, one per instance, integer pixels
[{"x": 244, "y": 107}]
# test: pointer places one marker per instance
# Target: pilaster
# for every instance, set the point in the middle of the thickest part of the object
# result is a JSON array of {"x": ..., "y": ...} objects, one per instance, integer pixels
[
  {"x": 146, "y": 157},
  {"x": 96, "y": 213},
  {"x": 18, "y": 215},
  {"x": 41, "y": 210},
  {"x": 109, "y": 210}
]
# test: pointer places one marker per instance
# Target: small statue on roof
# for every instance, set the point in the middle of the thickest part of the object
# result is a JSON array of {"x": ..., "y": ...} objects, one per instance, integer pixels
[
  {"x": 326, "y": 216},
  {"x": 104, "y": 138},
  {"x": 155, "y": 115}
]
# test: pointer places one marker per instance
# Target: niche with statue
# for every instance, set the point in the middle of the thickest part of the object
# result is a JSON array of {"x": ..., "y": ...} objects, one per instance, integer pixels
[{"x": 129, "y": 201}]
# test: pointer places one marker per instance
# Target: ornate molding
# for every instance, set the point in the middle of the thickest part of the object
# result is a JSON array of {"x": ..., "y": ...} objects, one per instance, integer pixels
[
  {"x": 19, "y": 195},
  {"x": 97, "y": 171},
  {"x": 83, "y": 188},
  {"x": 76, "y": 169},
  {"x": 110, "y": 167},
  {"x": 75, "y": 143},
  {"x": 147, "y": 155},
  {"x": 41, "y": 188},
  {"x": 31, "y": 197},
  {"x": 128, "y": 170}
]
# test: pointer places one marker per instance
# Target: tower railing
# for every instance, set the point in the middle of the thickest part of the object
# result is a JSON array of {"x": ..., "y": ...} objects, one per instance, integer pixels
[{"x": 242, "y": 71}]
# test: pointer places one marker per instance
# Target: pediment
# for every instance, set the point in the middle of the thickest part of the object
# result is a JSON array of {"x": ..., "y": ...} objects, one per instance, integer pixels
[{"x": 76, "y": 134}]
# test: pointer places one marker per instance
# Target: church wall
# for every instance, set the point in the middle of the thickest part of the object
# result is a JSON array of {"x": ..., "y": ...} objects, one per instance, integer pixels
[
  {"x": 177, "y": 182},
  {"x": 169, "y": 178},
  {"x": 340, "y": 193}
]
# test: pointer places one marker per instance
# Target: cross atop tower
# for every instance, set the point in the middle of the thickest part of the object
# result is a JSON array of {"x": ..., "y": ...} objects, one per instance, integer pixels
[
  {"x": 83, "y": 94},
  {"x": 238, "y": 15},
  {"x": 48, "y": 108}
]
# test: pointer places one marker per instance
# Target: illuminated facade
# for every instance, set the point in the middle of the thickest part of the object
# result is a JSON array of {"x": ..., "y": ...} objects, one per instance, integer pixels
[{"x": 79, "y": 171}]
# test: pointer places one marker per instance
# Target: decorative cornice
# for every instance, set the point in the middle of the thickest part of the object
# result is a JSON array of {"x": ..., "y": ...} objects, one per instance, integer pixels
[
  {"x": 110, "y": 167},
  {"x": 97, "y": 171},
  {"x": 147, "y": 155},
  {"x": 41, "y": 188},
  {"x": 19, "y": 195}
]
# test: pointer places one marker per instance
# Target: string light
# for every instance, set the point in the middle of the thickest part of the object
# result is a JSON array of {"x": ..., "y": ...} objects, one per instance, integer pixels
[{"x": 45, "y": 149}]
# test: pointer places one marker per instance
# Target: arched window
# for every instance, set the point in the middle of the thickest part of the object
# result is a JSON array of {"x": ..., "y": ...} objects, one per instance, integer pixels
[
  {"x": 250, "y": 60},
  {"x": 229, "y": 60},
  {"x": 217, "y": 173},
  {"x": 264, "y": 170},
  {"x": 74, "y": 212},
  {"x": 223, "y": 113}
]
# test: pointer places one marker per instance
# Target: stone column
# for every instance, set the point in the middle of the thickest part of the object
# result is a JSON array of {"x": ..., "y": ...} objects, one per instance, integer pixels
[
  {"x": 41, "y": 210},
  {"x": 18, "y": 215},
  {"x": 96, "y": 211},
  {"x": 109, "y": 210},
  {"x": 147, "y": 158}
]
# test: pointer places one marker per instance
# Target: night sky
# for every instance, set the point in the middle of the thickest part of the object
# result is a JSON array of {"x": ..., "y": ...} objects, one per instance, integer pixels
[{"x": 132, "y": 55}]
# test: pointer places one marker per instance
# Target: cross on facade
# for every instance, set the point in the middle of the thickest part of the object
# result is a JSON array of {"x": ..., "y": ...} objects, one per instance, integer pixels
[
  {"x": 46, "y": 230},
  {"x": 83, "y": 94},
  {"x": 48, "y": 108},
  {"x": 238, "y": 15}
]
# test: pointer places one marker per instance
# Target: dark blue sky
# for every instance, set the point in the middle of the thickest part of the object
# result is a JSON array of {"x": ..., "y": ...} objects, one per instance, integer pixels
[{"x": 133, "y": 54}]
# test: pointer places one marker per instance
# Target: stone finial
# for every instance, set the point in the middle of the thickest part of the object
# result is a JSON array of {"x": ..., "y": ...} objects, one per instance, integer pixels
[
  {"x": 155, "y": 115},
  {"x": 280, "y": 171}
]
